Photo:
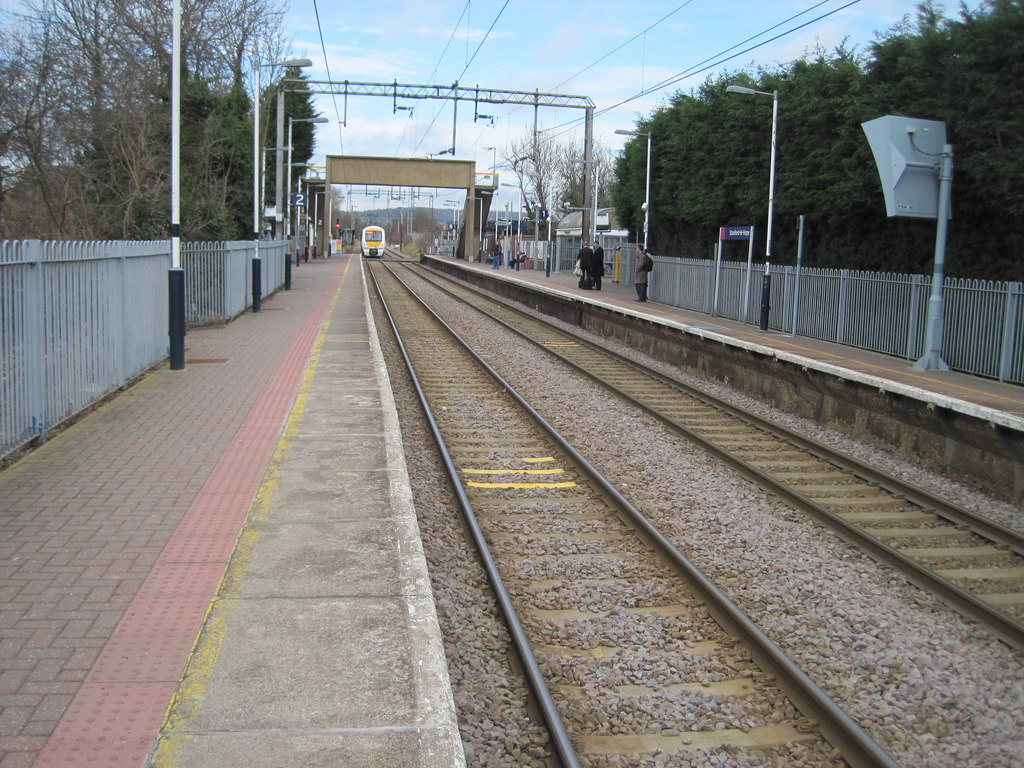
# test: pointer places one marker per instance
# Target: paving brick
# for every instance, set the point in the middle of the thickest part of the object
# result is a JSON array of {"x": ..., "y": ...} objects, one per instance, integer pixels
[
  {"x": 24, "y": 744},
  {"x": 11, "y": 680},
  {"x": 87, "y": 515},
  {"x": 14, "y": 719}
]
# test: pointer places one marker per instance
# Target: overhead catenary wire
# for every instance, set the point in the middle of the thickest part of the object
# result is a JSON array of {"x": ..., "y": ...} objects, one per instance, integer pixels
[
  {"x": 623, "y": 45},
  {"x": 433, "y": 74},
  {"x": 715, "y": 61},
  {"x": 728, "y": 54},
  {"x": 694, "y": 69},
  {"x": 464, "y": 70},
  {"x": 327, "y": 66}
]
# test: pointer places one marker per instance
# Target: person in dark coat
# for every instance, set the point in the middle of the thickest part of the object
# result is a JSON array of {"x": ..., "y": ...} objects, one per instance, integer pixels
[
  {"x": 585, "y": 259},
  {"x": 641, "y": 269},
  {"x": 597, "y": 265}
]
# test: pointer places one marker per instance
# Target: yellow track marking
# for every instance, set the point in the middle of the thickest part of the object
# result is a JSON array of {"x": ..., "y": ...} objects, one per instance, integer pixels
[
  {"x": 567, "y": 484},
  {"x": 513, "y": 471}
]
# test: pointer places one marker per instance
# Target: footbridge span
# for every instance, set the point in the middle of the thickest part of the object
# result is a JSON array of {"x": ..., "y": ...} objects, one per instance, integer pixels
[{"x": 412, "y": 172}]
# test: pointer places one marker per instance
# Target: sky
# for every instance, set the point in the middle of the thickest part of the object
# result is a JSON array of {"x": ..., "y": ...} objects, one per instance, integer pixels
[{"x": 616, "y": 52}]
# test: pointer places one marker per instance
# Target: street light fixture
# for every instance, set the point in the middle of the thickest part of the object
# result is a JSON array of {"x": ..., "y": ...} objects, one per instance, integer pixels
[
  {"x": 257, "y": 186},
  {"x": 455, "y": 204},
  {"x": 519, "y": 218},
  {"x": 766, "y": 280},
  {"x": 291, "y": 120},
  {"x": 647, "y": 188},
  {"x": 494, "y": 157}
]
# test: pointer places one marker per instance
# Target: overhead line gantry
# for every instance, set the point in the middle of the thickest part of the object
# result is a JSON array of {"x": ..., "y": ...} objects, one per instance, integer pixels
[{"x": 456, "y": 93}]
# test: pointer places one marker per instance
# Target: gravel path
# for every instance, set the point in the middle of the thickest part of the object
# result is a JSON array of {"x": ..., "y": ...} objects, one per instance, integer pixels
[{"x": 932, "y": 688}]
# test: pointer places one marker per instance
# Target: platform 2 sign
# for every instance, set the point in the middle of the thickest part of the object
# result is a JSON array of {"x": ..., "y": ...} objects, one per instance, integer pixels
[{"x": 734, "y": 233}]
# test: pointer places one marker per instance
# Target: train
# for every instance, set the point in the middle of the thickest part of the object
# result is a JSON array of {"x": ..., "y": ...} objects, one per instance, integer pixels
[{"x": 373, "y": 242}]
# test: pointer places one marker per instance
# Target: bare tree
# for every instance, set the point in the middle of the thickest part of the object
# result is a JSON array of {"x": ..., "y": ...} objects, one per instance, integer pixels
[
  {"x": 551, "y": 173},
  {"x": 84, "y": 116}
]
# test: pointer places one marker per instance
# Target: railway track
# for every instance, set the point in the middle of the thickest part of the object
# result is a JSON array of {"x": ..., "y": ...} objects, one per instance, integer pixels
[
  {"x": 628, "y": 647},
  {"x": 974, "y": 564}
]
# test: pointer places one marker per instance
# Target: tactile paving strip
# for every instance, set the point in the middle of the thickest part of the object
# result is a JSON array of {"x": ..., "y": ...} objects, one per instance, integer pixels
[{"x": 116, "y": 714}]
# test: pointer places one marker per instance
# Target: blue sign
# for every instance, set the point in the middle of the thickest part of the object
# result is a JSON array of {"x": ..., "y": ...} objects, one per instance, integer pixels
[
  {"x": 543, "y": 213},
  {"x": 734, "y": 233},
  {"x": 299, "y": 199}
]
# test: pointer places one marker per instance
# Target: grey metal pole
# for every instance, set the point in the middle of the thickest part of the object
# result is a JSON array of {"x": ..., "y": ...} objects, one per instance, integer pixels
[
  {"x": 256, "y": 158},
  {"x": 766, "y": 281},
  {"x": 932, "y": 359},
  {"x": 176, "y": 276},
  {"x": 746, "y": 282},
  {"x": 292, "y": 252},
  {"x": 279, "y": 161},
  {"x": 588, "y": 187},
  {"x": 771, "y": 180},
  {"x": 799, "y": 264},
  {"x": 718, "y": 278},
  {"x": 647, "y": 191}
]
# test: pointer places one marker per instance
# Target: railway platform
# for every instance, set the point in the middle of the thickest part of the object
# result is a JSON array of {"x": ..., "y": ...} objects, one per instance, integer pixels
[
  {"x": 221, "y": 566},
  {"x": 984, "y": 398}
]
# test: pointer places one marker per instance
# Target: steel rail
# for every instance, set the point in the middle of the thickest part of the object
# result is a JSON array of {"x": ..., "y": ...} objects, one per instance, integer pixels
[
  {"x": 559, "y": 736},
  {"x": 1008, "y": 629},
  {"x": 857, "y": 747}
]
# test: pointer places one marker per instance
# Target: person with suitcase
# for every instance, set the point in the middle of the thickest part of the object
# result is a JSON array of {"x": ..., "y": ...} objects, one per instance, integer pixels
[
  {"x": 585, "y": 264},
  {"x": 597, "y": 265}
]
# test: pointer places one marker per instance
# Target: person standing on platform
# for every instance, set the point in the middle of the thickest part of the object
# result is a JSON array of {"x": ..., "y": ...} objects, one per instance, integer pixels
[
  {"x": 641, "y": 269},
  {"x": 496, "y": 255},
  {"x": 585, "y": 260},
  {"x": 597, "y": 265}
]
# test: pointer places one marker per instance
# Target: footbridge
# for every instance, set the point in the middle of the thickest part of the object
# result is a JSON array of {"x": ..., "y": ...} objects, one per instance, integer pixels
[{"x": 411, "y": 172}]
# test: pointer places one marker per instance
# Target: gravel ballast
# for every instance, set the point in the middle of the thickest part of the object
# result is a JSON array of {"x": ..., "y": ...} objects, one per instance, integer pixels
[{"x": 934, "y": 689}]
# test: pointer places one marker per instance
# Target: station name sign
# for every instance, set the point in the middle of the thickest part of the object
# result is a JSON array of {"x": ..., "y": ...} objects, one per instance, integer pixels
[{"x": 734, "y": 233}]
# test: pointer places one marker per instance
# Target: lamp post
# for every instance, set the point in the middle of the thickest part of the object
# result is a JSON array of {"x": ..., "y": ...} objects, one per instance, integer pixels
[
  {"x": 176, "y": 275},
  {"x": 519, "y": 218},
  {"x": 766, "y": 281},
  {"x": 494, "y": 157},
  {"x": 647, "y": 187},
  {"x": 455, "y": 212},
  {"x": 455, "y": 225},
  {"x": 257, "y": 186},
  {"x": 291, "y": 120}
]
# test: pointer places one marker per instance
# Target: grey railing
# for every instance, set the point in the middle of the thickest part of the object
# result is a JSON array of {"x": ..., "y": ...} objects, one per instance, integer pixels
[
  {"x": 984, "y": 320},
  {"x": 80, "y": 319},
  {"x": 882, "y": 312}
]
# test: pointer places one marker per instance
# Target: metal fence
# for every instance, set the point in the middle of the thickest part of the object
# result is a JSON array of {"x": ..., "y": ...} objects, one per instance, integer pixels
[
  {"x": 80, "y": 319},
  {"x": 218, "y": 277},
  {"x": 984, "y": 320},
  {"x": 882, "y": 312},
  {"x": 563, "y": 253}
]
